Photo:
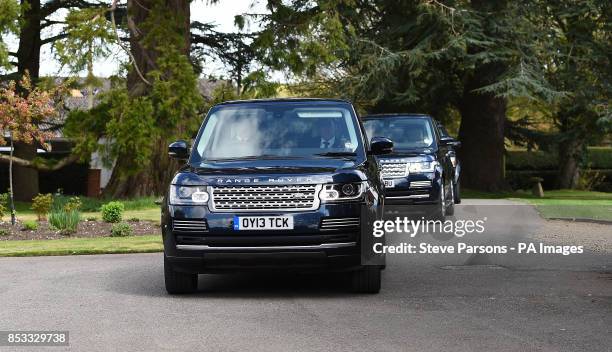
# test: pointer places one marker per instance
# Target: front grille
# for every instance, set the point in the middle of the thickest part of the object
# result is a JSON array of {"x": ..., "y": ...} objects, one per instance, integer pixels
[
  {"x": 346, "y": 224},
  {"x": 394, "y": 169},
  {"x": 268, "y": 197},
  {"x": 420, "y": 184},
  {"x": 190, "y": 226}
]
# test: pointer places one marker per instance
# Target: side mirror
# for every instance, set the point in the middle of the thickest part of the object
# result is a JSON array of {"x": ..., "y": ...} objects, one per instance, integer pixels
[
  {"x": 179, "y": 150},
  {"x": 381, "y": 145},
  {"x": 450, "y": 141}
]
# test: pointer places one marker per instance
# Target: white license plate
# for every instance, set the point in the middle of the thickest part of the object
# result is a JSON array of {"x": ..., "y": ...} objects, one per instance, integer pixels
[
  {"x": 263, "y": 223},
  {"x": 389, "y": 183}
]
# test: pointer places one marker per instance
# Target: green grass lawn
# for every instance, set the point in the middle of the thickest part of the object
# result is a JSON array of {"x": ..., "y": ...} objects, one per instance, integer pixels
[
  {"x": 77, "y": 246},
  {"x": 142, "y": 209},
  {"x": 570, "y": 204},
  {"x": 94, "y": 204}
]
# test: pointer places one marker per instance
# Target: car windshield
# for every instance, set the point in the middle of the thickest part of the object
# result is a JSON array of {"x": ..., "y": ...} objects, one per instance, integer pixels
[
  {"x": 405, "y": 132},
  {"x": 278, "y": 130}
]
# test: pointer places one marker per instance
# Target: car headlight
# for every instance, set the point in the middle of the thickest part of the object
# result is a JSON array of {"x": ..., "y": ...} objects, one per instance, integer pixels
[
  {"x": 422, "y": 166},
  {"x": 342, "y": 191},
  {"x": 188, "y": 195}
]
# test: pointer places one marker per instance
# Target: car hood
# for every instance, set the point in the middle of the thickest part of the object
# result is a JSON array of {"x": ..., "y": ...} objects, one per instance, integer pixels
[{"x": 271, "y": 171}]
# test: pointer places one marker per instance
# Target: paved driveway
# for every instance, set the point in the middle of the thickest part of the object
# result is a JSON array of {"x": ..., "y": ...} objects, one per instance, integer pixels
[{"x": 428, "y": 303}]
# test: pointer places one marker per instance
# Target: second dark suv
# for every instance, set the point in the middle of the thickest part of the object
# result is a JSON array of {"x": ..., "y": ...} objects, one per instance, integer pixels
[
  {"x": 274, "y": 185},
  {"x": 420, "y": 170}
]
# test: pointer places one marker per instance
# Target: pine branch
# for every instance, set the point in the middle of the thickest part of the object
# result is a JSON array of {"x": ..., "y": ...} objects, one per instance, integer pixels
[{"x": 54, "y": 38}]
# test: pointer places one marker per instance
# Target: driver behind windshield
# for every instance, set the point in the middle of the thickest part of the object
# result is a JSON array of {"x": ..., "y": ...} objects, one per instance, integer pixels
[{"x": 328, "y": 138}]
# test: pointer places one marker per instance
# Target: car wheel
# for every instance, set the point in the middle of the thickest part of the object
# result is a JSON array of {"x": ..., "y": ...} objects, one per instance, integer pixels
[
  {"x": 440, "y": 211},
  {"x": 456, "y": 192},
  {"x": 450, "y": 209},
  {"x": 178, "y": 282},
  {"x": 366, "y": 280}
]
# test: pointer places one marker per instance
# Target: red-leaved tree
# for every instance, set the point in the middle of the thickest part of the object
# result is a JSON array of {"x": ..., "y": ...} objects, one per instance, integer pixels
[{"x": 24, "y": 112}]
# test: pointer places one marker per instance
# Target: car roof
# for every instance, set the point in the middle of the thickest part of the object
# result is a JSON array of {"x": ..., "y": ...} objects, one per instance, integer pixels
[
  {"x": 382, "y": 116},
  {"x": 274, "y": 100}
]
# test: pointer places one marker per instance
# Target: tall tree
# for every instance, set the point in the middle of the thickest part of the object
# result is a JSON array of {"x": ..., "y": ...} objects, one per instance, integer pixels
[
  {"x": 158, "y": 101},
  {"x": 427, "y": 56},
  {"x": 576, "y": 49},
  {"x": 21, "y": 116}
]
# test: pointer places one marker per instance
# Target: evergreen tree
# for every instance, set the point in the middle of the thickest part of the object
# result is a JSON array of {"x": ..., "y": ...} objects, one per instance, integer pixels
[{"x": 435, "y": 57}]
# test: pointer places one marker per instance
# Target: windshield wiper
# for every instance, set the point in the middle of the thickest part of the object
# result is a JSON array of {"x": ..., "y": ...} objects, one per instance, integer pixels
[{"x": 337, "y": 154}]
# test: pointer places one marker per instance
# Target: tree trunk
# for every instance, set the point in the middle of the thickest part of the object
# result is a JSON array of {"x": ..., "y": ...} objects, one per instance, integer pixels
[
  {"x": 483, "y": 116},
  {"x": 569, "y": 164},
  {"x": 25, "y": 180},
  {"x": 11, "y": 193},
  {"x": 154, "y": 179},
  {"x": 28, "y": 59},
  {"x": 482, "y": 139}
]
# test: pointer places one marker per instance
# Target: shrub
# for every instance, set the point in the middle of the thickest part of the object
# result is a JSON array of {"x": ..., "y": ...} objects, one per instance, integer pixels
[
  {"x": 112, "y": 211},
  {"x": 65, "y": 221},
  {"x": 84, "y": 203},
  {"x": 73, "y": 204},
  {"x": 41, "y": 204},
  {"x": 92, "y": 218},
  {"x": 121, "y": 229},
  {"x": 590, "y": 180},
  {"x": 30, "y": 226},
  {"x": 134, "y": 219},
  {"x": 4, "y": 232}
]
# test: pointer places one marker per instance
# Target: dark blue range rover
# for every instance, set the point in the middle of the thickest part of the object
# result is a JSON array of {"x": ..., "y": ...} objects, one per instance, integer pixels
[
  {"x": 420, "y": 171},
  {"x": 273, "y": 184}
]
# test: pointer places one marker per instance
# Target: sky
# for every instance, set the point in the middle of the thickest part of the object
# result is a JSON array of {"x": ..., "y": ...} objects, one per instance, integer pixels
[{"x": 221, "y": 14}]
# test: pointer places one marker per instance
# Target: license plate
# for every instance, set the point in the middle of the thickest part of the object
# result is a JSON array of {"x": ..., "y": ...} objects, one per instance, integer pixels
[
  {"x": 389, "y": 183},
  {"x": 263, "y": 223}
]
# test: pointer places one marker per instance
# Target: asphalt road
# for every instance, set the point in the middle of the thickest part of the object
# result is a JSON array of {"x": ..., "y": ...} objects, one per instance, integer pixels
[{"x": 456, "y": 302}]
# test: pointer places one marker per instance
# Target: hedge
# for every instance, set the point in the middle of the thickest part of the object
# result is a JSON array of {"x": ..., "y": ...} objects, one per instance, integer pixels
[{"x": 598, "y": 158}]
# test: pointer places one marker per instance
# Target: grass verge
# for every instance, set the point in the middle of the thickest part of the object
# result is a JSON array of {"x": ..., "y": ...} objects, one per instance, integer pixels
[
  {"x": 79, "y": 246},
  {"x": 573, "y": 208},
  {"x": 567, "y": 204}
]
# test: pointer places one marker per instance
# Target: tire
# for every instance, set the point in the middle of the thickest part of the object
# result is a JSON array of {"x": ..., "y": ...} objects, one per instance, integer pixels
[
  {"x": 440, "y": 212},
  {"x": 456, "y": 191},
  {"x": 366, "y": 280},
  {"x": 450, "y": 209},
  {"x": 178, "y": 282}
]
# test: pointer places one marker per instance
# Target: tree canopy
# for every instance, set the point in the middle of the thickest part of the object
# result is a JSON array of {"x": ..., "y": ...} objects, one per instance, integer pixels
[{"x": 463, "y": 62}]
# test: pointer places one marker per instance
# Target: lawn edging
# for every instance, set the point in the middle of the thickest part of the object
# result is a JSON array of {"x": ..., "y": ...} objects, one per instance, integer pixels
[{"x": 81, "y": 246}]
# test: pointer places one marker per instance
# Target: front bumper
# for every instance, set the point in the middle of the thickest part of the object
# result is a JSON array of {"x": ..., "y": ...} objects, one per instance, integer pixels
[
  {"x": 417, "y": 189},
  {"x": 220, "y": 248}
]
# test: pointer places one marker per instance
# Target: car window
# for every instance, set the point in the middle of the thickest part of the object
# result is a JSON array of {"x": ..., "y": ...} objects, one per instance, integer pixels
[
  {"x": 277, "y": 130},
  {"x": 405, "y": 132}
]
